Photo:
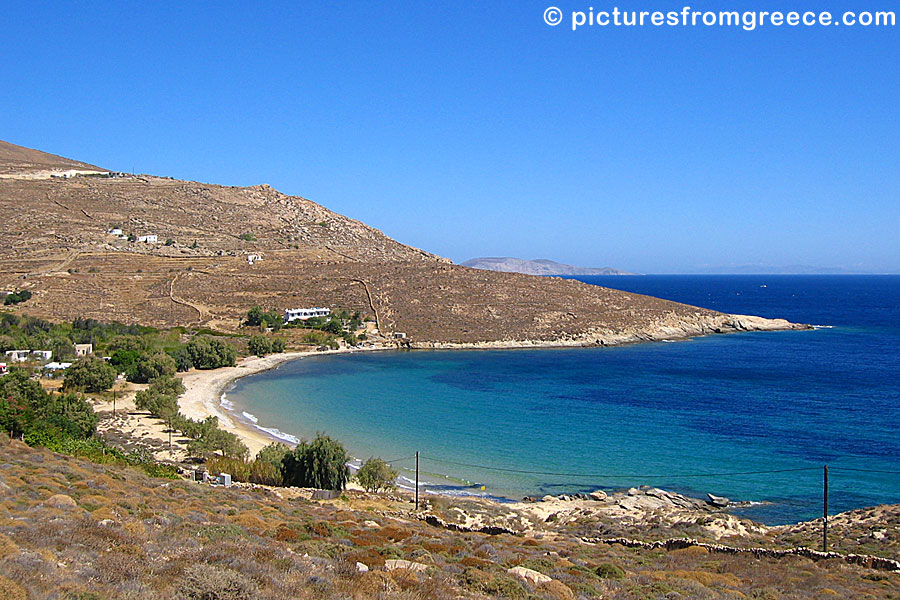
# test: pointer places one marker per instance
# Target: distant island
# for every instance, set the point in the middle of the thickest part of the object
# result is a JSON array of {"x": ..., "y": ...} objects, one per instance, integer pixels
[{"x": 540, "y": 266}]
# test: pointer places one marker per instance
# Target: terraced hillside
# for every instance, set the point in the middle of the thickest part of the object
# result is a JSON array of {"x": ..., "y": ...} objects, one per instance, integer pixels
[{"x": 55, "y": 243}]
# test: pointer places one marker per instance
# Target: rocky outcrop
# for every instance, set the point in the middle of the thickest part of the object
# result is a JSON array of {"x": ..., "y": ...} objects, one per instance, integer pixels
[{"x": 529, "y": 575}]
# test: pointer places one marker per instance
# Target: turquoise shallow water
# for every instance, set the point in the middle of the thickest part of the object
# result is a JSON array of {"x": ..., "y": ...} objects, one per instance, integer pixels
[{"x": 696, "y": 416}]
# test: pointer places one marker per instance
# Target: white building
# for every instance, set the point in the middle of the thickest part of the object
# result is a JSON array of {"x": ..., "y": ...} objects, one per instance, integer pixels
[
  {"x": 84, "y": 349},
  {"x": 57, "y": 366},
  {"x": 302, "y": 314},
  {"x": 3, "y": 369},
  {"x": 252, "y": 258},
  {"x": 43, "y": 354},
  {"x": 18, "y": 355},
  {"x": 115, "y": 231},
  {"x": 148, "y": 239}
]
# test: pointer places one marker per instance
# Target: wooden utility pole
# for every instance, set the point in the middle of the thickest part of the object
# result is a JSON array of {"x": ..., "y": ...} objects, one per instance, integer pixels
[
  {"x": 417, "y": 480},
  {"x": 114, "y": 403},
  {"x": 825, "y": 524}
]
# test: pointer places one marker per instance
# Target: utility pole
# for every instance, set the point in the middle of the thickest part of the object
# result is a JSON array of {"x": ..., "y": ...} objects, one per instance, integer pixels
[
  {"x": 417, "y": 480},
  {"x": 114, "y": 403},
  {"x": 825, "y": 524}
]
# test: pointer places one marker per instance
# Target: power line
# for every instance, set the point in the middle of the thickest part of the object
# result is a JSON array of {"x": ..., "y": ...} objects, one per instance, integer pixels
[
  {"x": 619, "y": 476},
  {"x": 864, "y": 470},
  {"x": 400, "y": 459}
]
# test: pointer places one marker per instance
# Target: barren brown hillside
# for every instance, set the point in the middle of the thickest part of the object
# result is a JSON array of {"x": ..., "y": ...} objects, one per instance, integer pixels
[
  {"x": 18, "y": 159},
  {"x": 55, "y": 242}
]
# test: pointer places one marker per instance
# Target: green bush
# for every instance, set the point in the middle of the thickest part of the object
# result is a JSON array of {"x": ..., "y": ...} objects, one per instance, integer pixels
[
  {"x": 609, "y": 571},
  {"x": 321, "y": 463},
  {"x": 90, "y": 374},
  {"x": 376, "y": 475}
]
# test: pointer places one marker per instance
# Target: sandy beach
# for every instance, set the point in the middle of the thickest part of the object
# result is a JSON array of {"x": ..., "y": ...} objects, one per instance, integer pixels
[
  {"x": 202, "y": 398},
  {"x": 205, "y": 389}
]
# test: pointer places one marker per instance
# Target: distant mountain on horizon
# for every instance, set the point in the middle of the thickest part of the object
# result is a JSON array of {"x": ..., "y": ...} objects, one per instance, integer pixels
[
  {"x": 778, "y": 270},
  {"x": 539, "y": 266}
]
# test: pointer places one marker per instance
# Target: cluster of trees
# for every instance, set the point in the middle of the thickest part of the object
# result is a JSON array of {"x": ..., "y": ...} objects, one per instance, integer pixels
[
  {"x": 261, "y": 345},
  {"x": 27, "y": 410},
  {"x": 160, "y": 399},
  {"x": 64, "y": 423},
  {"x": 257, "y": 317},
  {"x": 320, "y": 463},
  {"x": 16, "y": 297}
]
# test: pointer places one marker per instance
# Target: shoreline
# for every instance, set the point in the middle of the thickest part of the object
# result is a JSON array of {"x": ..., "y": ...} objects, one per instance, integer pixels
[
  {"x": 204, "y": 390},
  {"x": 203, "y": 396}
]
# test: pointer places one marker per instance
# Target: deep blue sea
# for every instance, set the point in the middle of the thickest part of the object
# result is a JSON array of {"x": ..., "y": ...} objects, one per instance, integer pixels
[{"x": 703, "y": 415}]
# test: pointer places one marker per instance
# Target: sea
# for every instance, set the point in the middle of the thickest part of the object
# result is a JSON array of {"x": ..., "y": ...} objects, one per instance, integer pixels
[{"x": 755, "y": 417}]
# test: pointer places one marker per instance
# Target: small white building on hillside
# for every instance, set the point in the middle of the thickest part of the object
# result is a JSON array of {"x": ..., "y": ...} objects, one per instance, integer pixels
[
  {"x": 84, "y": 349},
  {"x": 57, "y": 366},
  {"x": 302, "y": 314},
  {"x": 18, "y": 355},
  {"x": 115, "y": 231},
  {"x": 148, "y": 239},
  {"x": 42, "y": 354}
]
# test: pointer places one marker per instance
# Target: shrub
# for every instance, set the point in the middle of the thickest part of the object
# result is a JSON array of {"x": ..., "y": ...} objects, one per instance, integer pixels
[
  {"x": 321, "y": 463},
  {"x": 90, "y": 374},
  {"x": 207, "y": 582},
  {"x": 609, "y": 571},
  {"x": 248, "y": 237},
  {"x": 376, "y": 475}
]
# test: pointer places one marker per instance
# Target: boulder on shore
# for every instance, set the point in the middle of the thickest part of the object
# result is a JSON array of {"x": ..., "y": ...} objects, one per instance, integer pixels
[{"x": 718, "y": 501}]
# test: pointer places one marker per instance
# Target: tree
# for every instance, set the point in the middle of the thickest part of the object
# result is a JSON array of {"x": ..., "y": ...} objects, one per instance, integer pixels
[
  {"x": 7, "y": 343},
  {"x": 182, "y": 357},
  {"x": 334, "y": 326},
  {"x": 149, "y": 367},
  {"x": 161, "y": 398},
  {"x": 210, "y": 353},
  {"x": 321, "y": 463},
  {"x": 255, "y": 316},
  {"x": 273, "y": 454},
  {"x": 16, "y": 297},
  {"x": 70, "y": 413},
  {"x": 18, "y": 396},
  {"x": 90, "y": 374},
  {"x": 376, "y": 475}
]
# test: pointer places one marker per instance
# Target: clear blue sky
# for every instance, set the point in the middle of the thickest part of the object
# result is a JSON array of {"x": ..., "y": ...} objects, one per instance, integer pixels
[{"x": 474, "y": 129}]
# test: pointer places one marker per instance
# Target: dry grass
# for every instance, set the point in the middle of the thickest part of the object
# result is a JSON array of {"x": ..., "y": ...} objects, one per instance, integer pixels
[{"x": 135, "y": 538}]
